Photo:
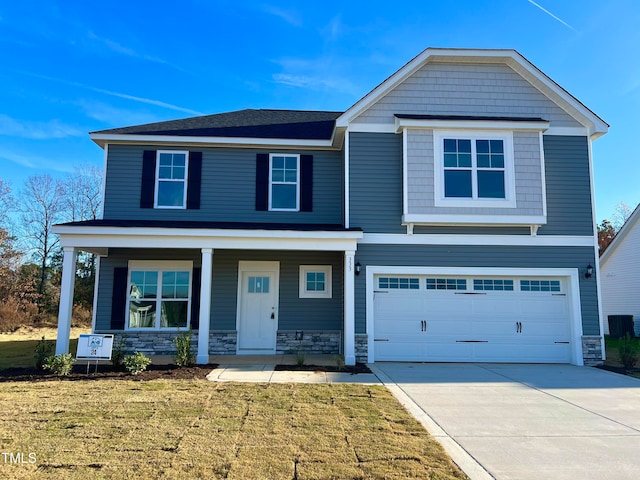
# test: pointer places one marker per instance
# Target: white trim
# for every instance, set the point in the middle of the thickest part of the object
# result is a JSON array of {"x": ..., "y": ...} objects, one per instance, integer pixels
[
  {"x": 449, "y": 219},
  {"x": 461, "y": 239},
  {"x": 96, "y": 283},
  {"x": 285, "y": 155},
  {"x": 346, "y": 178},
  {"x": 65, "y": 308},
  {"x": 405, "y": 172},
  {"x": 184, "y": 181},
  {"x": 104, "y": 179},
  {"x": 141, "y": 237},
  {"x": 101, "y": 138},
  {"x": 258, "y": 266},
  {"x": 573, "y": 292},
  {"x": 568, "y": 131},
  {"x": 474, "y": 201},
  {"x": 543, "y": 176},
  {"x": 302, "y": 281},
  {"x": 349, "y": 308},
  {"x": 372, "y": 128},
  {"x": 159, "y": 266},
  {"x": 594, "y": 124},
  {"x": 511, "y": 125}
]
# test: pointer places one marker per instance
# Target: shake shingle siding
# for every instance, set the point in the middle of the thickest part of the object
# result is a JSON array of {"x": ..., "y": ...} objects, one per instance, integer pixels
[{"x": 228, "y": 188}]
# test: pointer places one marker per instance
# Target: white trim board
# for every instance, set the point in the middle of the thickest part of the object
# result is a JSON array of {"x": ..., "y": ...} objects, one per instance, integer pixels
[
  {"x": 571, "y": 274},
  {"x": 458, "y": 239}
]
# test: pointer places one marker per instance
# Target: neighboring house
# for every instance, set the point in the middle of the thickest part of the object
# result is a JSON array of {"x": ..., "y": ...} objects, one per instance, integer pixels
[
  {"x": 447, "y": 216},
  {"x": 619, "y": 266}
]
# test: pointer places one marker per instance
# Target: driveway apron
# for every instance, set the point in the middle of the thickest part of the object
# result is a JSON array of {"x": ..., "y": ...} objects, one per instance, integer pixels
[{"x": 531, "y": 421}]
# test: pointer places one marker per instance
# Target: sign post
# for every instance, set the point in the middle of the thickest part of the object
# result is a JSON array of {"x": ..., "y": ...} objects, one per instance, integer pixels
[{"x": 94, "y": 347}]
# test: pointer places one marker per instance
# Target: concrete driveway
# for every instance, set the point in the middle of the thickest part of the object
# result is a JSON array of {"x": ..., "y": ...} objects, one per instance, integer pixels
[{"x": 526, "y": 421}]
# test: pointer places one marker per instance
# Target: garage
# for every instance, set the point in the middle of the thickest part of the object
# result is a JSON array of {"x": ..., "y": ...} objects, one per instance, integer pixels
[{"x": 478, "y": 317}]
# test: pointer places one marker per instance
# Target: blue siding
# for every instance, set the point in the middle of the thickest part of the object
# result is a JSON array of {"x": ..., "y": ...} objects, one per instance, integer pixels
[
  {"x": 481, "y": 256},
  {"x": 228, "y": 188}
]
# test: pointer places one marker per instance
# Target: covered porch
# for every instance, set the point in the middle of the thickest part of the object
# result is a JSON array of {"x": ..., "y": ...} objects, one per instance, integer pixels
[{"x": 224, "y": 256}]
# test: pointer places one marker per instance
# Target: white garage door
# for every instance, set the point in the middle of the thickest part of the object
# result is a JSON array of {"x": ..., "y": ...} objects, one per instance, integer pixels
[{"x": 471, "y": 319}]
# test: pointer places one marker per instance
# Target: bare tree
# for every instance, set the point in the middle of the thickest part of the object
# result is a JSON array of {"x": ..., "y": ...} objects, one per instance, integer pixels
[
  {"x": 7, "y": 203},
  {"x": 41, "y": 206},
  {"x": 622, "y": 213},
  {"x": 83, "y": 193}
]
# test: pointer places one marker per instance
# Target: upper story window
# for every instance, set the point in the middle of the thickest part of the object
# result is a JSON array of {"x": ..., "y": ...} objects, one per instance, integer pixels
[
  {"x": 284, "y": 182},
  {"x": 171, "y": 179},
  {"x": 474, "y": 169}
]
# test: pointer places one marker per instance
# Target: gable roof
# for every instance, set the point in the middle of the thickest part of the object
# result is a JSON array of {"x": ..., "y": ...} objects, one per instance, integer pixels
[
  {"x": 294, "y": 124},
  {"x": 632, "y": 222},
  {"x": 593, "y": 123}
]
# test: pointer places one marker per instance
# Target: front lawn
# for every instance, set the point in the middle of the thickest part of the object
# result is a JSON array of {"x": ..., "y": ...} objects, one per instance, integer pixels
[
  {"x": 179, "y": 429},
  {"x": 612, "y": 346}
]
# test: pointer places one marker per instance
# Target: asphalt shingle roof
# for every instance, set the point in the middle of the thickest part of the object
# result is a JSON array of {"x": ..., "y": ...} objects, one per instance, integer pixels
[{"x": 295, "y": 124}]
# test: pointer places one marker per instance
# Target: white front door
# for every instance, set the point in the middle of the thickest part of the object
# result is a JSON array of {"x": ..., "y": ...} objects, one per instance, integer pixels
[{"x": 257, "y": 320}]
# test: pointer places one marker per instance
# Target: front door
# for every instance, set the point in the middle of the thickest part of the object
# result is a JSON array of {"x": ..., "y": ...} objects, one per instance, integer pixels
[{"x": 257, "y": 307}]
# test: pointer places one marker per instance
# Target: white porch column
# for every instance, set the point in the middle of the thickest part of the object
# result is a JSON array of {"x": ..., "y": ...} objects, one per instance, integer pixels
[
  {"x": 205, "y": 306},
  {"x": 349, "y": 308},
  {"x": 66, "y": 299}
]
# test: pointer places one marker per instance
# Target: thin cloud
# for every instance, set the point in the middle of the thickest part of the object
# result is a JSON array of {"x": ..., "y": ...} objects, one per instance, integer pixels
[
  {"x": 12, "y": 127},
  {"x": 292, "y": 18},
  {"x": 110, "y": 115},
  {"x": 35, "y": 162},
  {"x": 333, "y": 29},
  {"x": 148, "y": 101},
  {"x": 552, "y": 15}
]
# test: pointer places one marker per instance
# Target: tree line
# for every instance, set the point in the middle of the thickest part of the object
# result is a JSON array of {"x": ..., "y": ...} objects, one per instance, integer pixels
[{"x": 30, "y": 253}]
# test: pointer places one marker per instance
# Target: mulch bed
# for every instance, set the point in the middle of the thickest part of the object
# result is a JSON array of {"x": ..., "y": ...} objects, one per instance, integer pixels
[
  {"x": 153, "y": 372},
  {"x": 621, "y": 370},
  {"x": 352, "y": 369}
]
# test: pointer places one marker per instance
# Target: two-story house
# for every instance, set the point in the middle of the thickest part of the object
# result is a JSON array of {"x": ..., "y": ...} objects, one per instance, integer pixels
[{"x": 447, "y": 216}]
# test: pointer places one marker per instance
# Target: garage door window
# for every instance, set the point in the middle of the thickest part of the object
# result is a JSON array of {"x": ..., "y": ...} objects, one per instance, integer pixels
[
  {"x": 402, "y": 283},
  {"x": 540, "y": 285},
  {"x": 489, "y": 284},
  {"x": 446, "y": 284}
]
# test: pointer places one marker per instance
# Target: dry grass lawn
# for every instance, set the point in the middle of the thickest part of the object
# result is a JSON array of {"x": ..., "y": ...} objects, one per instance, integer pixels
[{"x": 182, "y": 429}]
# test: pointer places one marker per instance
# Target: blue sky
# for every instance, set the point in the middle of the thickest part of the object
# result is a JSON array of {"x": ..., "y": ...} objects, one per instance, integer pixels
[{"x": 71, "y": 67}]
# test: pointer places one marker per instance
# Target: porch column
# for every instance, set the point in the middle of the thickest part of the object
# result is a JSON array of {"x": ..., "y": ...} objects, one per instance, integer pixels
[
  {"x": 205, "y": 306},
  {"x": 349, "y": 308},
  {"x": 66, "y": 299}
]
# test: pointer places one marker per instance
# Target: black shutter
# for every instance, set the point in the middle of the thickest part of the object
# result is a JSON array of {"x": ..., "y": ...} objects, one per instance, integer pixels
[
  {"x": 147, "y": 188},
  {"x": 195, "y": 298},
  {"x": 195, "y": 180},
  {"x": 119, "y": 298},
  {"x": 306, "y": 183},
  {"x": 262, "y": 181}
]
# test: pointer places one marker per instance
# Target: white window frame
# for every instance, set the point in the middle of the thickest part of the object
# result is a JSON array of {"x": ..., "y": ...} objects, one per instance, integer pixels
[
  {"x": 509, "y": 170},
  {"x": 271, "y": 182},
  {"x": 184, "y": 181},
  {"x": 159, "y": 267},
  {"x": 326, "y": 269}
]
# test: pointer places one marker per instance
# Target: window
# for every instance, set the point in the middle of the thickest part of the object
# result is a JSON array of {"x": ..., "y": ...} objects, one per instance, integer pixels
[
  {"x": 540, "y": 285},
  {"x": 475, "y": 169},
  {"x": 495, "y": 285},
  {"x": 159, "y": 296},
  {"x": 284, "y": 182},
  {"x": 401, "y": 283},
  {"x": 446, "y": 284},
  {"x": 315, "y": 281},
  {"x": 171, "y": 179}
]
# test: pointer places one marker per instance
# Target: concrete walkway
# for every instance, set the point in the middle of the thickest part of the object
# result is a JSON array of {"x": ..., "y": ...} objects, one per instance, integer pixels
[{"x": 526, "y": 421}]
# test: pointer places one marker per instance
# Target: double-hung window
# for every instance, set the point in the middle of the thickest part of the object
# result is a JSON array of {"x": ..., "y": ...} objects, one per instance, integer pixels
[
  {"x": 159, "y": 295},
  {"x": 171, "y": 179},
  {"x": 474, "y": 169},
  {"x": 284, "y": 182}
]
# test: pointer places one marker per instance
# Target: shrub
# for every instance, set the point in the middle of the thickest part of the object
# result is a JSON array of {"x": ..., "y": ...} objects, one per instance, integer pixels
[
  {"x": 184, "y": 356},
  {"x": 59, "y": 364},
  {"x": 81, "y": 317},
  {"x": 628, "y": 349},
  {"x": 136, "y": 363},
  {"x": 44, "y": 350},
  {"x": 118, "y": 353}
]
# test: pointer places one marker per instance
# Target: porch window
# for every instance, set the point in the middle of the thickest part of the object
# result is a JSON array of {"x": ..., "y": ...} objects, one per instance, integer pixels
[
  {"x": 315, "y": 281},
  {"x": 159, "y": 297}
]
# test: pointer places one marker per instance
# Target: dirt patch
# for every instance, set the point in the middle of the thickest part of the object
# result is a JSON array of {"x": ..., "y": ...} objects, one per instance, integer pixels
[
  {"x": 107, "y": 372},
  {"x": 352, "y": 369}
]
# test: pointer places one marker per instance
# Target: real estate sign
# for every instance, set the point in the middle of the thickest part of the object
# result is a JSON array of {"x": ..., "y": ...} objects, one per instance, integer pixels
[{"x": 94, "y": 347}]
